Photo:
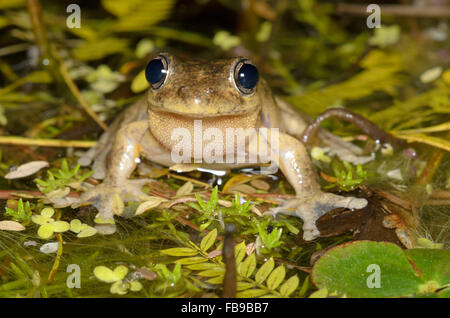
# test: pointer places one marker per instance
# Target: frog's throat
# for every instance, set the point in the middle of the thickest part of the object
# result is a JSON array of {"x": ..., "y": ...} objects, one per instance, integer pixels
[{"x": 164, "y": 125}]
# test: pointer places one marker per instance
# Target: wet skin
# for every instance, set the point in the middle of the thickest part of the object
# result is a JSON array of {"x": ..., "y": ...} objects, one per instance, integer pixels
[{"x": 210, "y": 92}]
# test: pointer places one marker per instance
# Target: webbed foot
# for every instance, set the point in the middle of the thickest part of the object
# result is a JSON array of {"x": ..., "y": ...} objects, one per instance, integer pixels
[
  {"x": 109, "y": 200},
  {"x": 311, "y": 208}
]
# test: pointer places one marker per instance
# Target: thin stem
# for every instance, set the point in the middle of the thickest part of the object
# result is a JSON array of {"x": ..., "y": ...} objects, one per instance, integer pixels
[{"x": 22, "y": 141}]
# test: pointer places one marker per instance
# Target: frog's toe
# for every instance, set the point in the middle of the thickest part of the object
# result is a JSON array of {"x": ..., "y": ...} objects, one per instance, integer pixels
[
  {"x": 109, "y": 201},
  {"x": 132, "y": 190},
  {"x": 310, "y": 209}
]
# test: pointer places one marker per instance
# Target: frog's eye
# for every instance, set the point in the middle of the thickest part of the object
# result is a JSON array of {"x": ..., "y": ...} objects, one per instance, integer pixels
[
  {"x": 245, "y": 76},
  {"x": 156, "y": 71}
]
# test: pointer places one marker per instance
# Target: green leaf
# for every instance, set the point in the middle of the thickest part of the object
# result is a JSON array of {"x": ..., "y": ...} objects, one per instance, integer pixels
[
  {"x": 251, "y": 293},
  {"x": 216, "y": 280},
  {"x": 247, "y": 267},
  {"x": 304, "y": 287},
  {"x": 139, "y": 83},
  {"x": 276, "y": 277},
  {"x": 138, "y": 15},
  {"x": 432, "y": 265},
  {"x": 218, "y": 271},
  {"x": 99, "y": 48},
  {"x": 289, "y": 286},
  {"x": 45, "y": 231},
  {"x": 60, "y": 226},
  {"x": 264, "y": 271},
  {"x": 239, "y": 252},
  {"x": 202, "y": 266},
  {"x": 353, "y": 269},
  {"x": 208, "y": 240},
  {"x": 192, "y": 260},
  {"x": 244, "y": 285},
  {"x": 180, "y": 251}
]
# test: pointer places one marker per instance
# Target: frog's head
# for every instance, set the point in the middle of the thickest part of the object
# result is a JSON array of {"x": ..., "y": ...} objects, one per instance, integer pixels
[{"x": 200, "y": 89}]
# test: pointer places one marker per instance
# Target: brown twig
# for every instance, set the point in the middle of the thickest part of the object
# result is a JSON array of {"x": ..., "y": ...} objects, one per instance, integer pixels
[
  {"x": 22, "y": 141},
  {"x": 229, "y": 280}
]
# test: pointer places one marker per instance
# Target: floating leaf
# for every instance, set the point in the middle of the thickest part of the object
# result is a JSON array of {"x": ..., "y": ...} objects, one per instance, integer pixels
[
  {"x": 264, "y": 271},
  {"x": 135, "y": 286},
  {"x": 60, "y": 226},
  {"x": 120, "y": 271},
  {"x": 357, "y": 269},
  {"x": 41, "y": 219},
  {"x": 86, "y": 231},
  {"x": 76, "y": 226},
  {"x": 107, "y": 275},
  {"x": 45, "y": 231},
  {"x": 276, "y": 277},
  {"x": 47, "y": 212},
  {"x": 26, "y": 169},
  {"x": 119, "y": 288},
  {"x": 208, "y": 240},
  {"x": 180, "y": 251}
]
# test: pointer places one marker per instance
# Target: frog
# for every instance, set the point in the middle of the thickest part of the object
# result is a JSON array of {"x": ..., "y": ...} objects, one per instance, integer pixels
[{"x": 221, "y": 94}]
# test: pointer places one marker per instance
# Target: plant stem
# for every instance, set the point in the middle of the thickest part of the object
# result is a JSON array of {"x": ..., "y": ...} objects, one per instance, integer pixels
[{"x": 22, "y": 141}]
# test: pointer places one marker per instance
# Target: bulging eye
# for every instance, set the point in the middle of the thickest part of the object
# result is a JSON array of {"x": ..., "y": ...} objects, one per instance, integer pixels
[
  {"x": 156, "y": 71},
  {"x": 246, "y": 76}
]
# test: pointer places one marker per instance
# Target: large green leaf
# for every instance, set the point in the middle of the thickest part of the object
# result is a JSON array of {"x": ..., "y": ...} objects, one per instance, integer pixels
[{"x": 349, "y": 270}]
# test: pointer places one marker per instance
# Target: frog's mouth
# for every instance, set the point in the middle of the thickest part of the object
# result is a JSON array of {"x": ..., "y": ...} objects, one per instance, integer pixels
[
  {"x": 204, "y": 112},
  {"x": 165, "y": 126}
]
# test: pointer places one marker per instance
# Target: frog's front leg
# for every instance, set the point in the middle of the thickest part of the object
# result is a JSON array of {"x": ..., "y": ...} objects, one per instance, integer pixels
[
  {"x": 107, "y": 197},
  {"x": 310, "y": 202}
]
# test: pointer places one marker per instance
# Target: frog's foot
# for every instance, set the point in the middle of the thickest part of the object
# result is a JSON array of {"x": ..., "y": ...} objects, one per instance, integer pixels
[
  {"x": 108, "y": 200},
  {"x": 311, "y": 208}
]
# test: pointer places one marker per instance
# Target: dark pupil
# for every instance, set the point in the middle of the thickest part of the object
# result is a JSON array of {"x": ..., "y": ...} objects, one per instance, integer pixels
[
  {"x": 154, "y": 71},
  {"x": 248, "y": 76}
]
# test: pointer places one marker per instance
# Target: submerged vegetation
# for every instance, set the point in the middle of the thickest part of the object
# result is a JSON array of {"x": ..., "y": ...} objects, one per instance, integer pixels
[{"x": 61, "y": 85}]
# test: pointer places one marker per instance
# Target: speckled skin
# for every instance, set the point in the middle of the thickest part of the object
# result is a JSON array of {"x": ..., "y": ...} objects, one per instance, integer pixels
[{"x": 206, "y": 91}]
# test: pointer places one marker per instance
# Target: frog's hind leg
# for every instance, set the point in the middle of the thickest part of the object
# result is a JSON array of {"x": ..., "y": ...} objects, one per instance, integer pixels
[
  {"x": 98, "y": 155},
  {"x": 310, "y": 203}
]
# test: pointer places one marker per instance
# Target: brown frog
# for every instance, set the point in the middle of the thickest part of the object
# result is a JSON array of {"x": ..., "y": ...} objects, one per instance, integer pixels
[{"x": 213, "y": 97}]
